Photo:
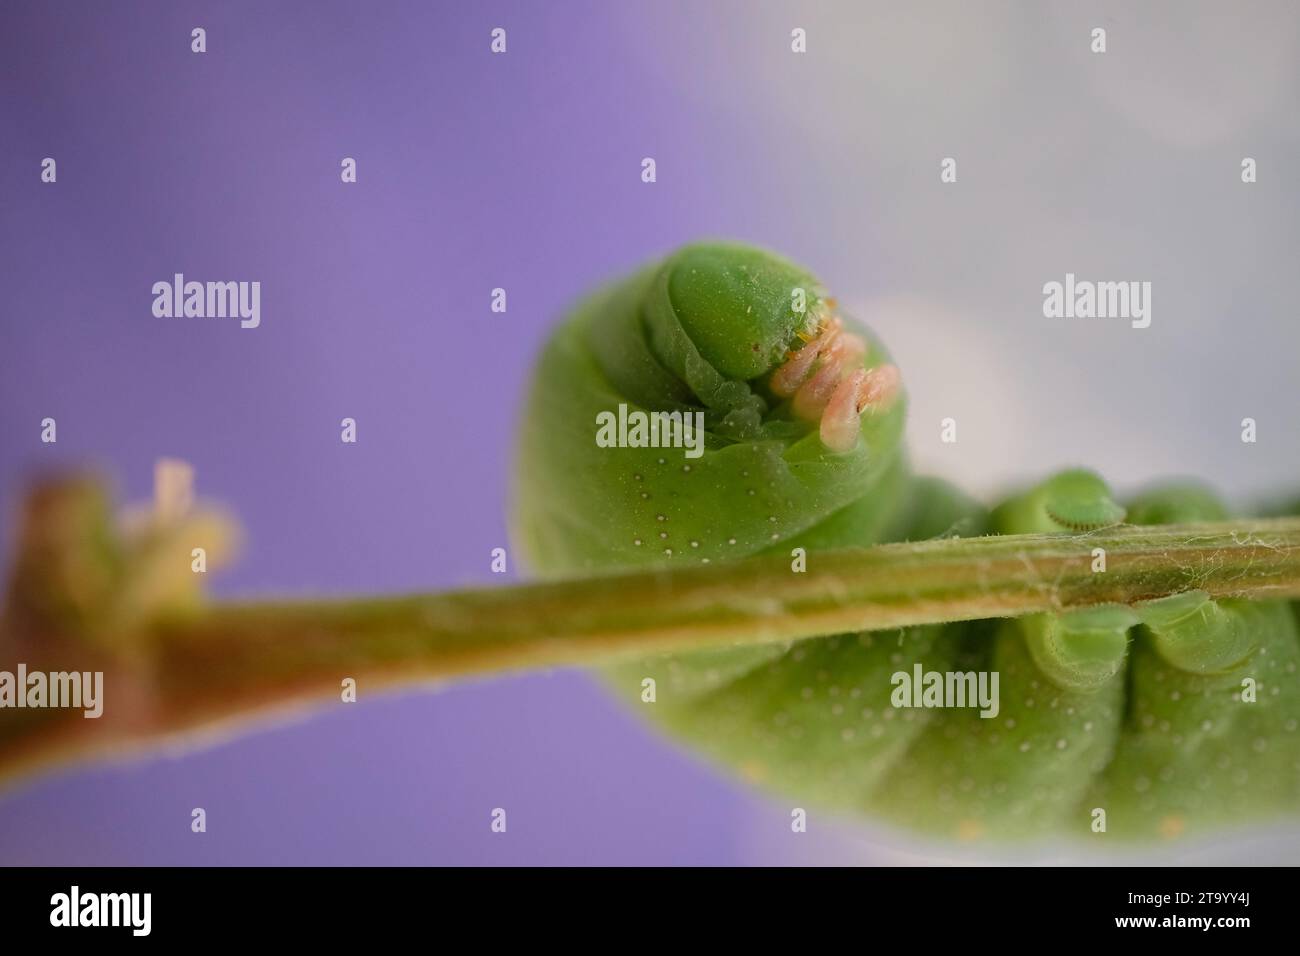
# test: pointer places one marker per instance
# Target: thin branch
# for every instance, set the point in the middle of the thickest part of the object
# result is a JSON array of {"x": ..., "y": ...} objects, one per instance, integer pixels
[{"x": 234, "y": 661}]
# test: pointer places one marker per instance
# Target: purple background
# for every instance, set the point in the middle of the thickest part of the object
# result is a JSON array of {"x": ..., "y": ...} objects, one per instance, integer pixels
[
  {"x": 522, "y": 171},
  {"x": 475, "y": 171}
]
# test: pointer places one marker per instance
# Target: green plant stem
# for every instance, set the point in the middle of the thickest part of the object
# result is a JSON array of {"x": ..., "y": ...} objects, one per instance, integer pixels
[{"x": 231, "y": 661}]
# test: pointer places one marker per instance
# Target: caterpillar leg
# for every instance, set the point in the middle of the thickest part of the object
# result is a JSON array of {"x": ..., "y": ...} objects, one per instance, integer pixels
[
  {"x": 827, "y": 384},
  {"x": 1211, "y": 736},
  {"x": 1022, "y": 768},
  {"x": 1012, "y": 774},
  {"x": 1075, "y": 500}
]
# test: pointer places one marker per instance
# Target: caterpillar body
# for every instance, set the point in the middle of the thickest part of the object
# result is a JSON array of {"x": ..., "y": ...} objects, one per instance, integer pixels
[{"x": 1173, "y": 717}]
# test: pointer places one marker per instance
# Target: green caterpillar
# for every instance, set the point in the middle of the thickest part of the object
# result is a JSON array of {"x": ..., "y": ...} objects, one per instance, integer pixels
[{"x": 1159, "y": 721}]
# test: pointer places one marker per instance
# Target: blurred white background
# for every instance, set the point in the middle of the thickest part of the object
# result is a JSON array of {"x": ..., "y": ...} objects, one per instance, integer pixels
[{"x": 1117, "y": 166}]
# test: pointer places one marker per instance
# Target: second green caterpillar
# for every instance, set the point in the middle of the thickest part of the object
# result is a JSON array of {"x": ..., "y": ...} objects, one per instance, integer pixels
[{"x": 1158, "y": 721}]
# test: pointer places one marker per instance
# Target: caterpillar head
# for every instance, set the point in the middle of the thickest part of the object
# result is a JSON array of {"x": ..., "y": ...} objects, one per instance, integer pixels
[
  {"x": 753, "y": 317},
  {"x": 743, "y": 308},
  {"x": 799, "y": 410}
]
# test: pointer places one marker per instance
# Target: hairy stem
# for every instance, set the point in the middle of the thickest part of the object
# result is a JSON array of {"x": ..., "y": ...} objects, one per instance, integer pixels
[{"x": 232, "y": 661}]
